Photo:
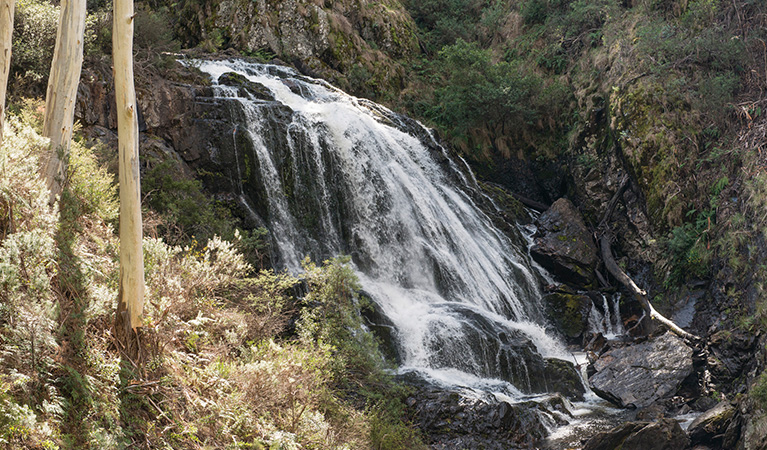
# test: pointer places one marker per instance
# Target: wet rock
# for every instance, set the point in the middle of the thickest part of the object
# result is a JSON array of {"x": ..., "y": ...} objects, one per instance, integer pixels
[
  {"x": 595, "y": 343},
  {"x": 666, "y": 434},
  {"x": 712, "y": 424},
  {"x": 730, "y": 355},
  {"x": 451, "y": 420},
  {"x": 640, "y": 374},
  {"x": 246, "y": 88},
  {"x": 562, "y": 377},
  {"x": 570, "y": 313},
  {"x": 563, "y": 244},
  {"x": 755, "y": 433},
  {"x": 612, "y": 439},
  {"x": 704, "y": 403}
]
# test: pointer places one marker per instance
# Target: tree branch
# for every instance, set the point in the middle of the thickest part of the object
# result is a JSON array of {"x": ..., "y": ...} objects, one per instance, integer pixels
[
  {"x": 620, "y": 275},
  {"x": 639, "y": 294}
]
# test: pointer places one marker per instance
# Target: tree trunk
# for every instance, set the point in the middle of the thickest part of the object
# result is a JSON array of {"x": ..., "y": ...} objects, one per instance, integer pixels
[
  {"x": 639, "y": 294},
  {"x": 6, "y": 35},
  {"x": 62, "y": 91},
  {"x": 131, "y": 298}
]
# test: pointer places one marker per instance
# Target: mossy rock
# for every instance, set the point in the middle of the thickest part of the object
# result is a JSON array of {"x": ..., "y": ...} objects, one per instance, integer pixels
[
  {"x": 570, "y": 313},
  {"x": 245, "y": 86}
]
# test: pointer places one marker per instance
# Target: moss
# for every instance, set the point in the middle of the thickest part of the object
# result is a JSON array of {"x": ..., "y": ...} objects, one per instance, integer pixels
[{"x": 568, "y": 311}]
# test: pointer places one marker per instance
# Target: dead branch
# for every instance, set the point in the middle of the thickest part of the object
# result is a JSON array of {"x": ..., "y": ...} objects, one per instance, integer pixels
[
  {"x": 639, "y": 294},
  {"x": 620, "y": 275}
]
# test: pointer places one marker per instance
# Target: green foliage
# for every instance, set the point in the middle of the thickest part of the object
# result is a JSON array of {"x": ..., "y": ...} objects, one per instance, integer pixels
[
  {"x": 690, "y": 244},
  {"x": 758, "y": 391},
  {"x": 185, "y": 209},
  {"x": 152, "y": 30},
  {"x": 34, "y": 35},
  {"x": 689, "y": 253},
  {"x": 91, "y": 184},
  {"x": 334, "y": 319},
  {"x": 29, "y": 402},
  {"x": 534, "y": 11},
  {"x": 479, "y": 91}
]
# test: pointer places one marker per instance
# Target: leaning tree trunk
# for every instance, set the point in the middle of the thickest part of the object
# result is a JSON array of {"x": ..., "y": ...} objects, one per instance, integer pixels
[
  {"x": 62, "y": 91},
  {"x": 607, "y": 257},
  {"x": 130, "y": 303},
  {"x": 6, "y": 35},
  {"x": 638, "y": 293}
]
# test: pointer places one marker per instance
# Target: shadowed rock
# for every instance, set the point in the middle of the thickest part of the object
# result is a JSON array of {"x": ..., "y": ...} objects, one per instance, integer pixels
[
  {"x": 563, "y": 244},
  {"x": 665, "y": 434}
]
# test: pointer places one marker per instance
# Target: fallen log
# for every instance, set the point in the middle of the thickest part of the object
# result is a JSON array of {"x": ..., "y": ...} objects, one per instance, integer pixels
[
  {"x": 625, "y": 280},
  {"x": 639, "y": 294}
]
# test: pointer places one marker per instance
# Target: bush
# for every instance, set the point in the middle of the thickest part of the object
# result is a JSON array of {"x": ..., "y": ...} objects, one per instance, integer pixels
[
  {"x": 28, "y": 311},
  {"x": 186, "y": 211},
  {"x": 34, "y": 36},
  {"x": 476, "y": 91}
]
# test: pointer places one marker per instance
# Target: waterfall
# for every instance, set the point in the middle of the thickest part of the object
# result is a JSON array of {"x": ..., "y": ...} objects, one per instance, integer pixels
[
  {"x": 608, "y": 320},
  {"x": 341, "y": 175}
]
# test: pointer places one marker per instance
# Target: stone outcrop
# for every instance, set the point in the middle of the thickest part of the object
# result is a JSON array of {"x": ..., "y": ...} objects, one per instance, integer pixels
[
  {"x": 570, "y": 312},
  {"x": 564, "y": 245},
  {"x": 666, "y": 434},
  {"x": 451, "y": 420},
  {"x": 638, "y": 375},
  {"x": 711, "y": 426},
  {"x": 352, "y": 43}
]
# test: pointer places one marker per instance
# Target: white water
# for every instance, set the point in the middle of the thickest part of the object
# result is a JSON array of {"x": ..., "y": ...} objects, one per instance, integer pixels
[
  {"x": 453, "y": 285},
  {"x": 608, "y": 323}
]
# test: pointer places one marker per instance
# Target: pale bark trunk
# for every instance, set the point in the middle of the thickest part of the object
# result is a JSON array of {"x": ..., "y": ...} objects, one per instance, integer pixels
[
  {"x": 62, "y": 91},
  {"x": 131, "y": 297},
  {"x": 620, "y": 275},
  {"x": 6, "y": 35},
  {"x": 638, "y": 293}
]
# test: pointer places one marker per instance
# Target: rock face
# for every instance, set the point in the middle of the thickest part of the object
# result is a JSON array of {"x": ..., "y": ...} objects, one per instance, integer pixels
[
  {"x": 564, "y": 245},
  {"x": 570, "y": 312},
  {"x": 638, "y": 375},
  {"x": 352, "y": 43},
  {"x": 665, "y": 434},
  {"x": 451, "y": 421}
]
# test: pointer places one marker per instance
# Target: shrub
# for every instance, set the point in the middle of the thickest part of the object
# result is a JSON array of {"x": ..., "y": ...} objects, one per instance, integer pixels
[
  {"x": 476, "y": 91},
  {"x": 34, "y": 36},
  {"x": 186, "y": 211},
  {"x": 759, "y": 391},
  {"x": 27, "y": 309}
]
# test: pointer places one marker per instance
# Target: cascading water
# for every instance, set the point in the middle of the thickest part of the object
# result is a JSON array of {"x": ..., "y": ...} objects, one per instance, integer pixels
[
  {"x": 607, "y": 321},
  {"x": 341, "y": 175}
]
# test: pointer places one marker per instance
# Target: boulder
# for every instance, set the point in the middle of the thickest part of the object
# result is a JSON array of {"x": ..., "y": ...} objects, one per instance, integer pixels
[
  {"x": 712, "y": 424},
  {"x": 666, "y": 434},
  {"x": 563, "y": 244},
  {"x": 562, "y": 377},
  {"x": 570, "y": 313},
  {"x": 451, "y": 420},
  {"x": 730, "y": 355},
  {"x": 638, "y": 375},
  {"x": 245, "y": 87}
]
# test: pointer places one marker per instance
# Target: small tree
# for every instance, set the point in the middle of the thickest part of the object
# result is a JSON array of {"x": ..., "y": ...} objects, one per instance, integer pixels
[
  {"x": 62, "y": 91},
  {"x": 6, "y": 34},
  {"x": 130, "y": 303}
]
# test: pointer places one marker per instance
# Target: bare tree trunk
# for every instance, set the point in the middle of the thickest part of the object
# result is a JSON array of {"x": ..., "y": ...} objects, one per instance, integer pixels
[
  {"x": 131, "y": 298},
  {"x": 639, "y": 294},
  {"x": 6, "y": 35},
  {"x": 62, "y": 91}
]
